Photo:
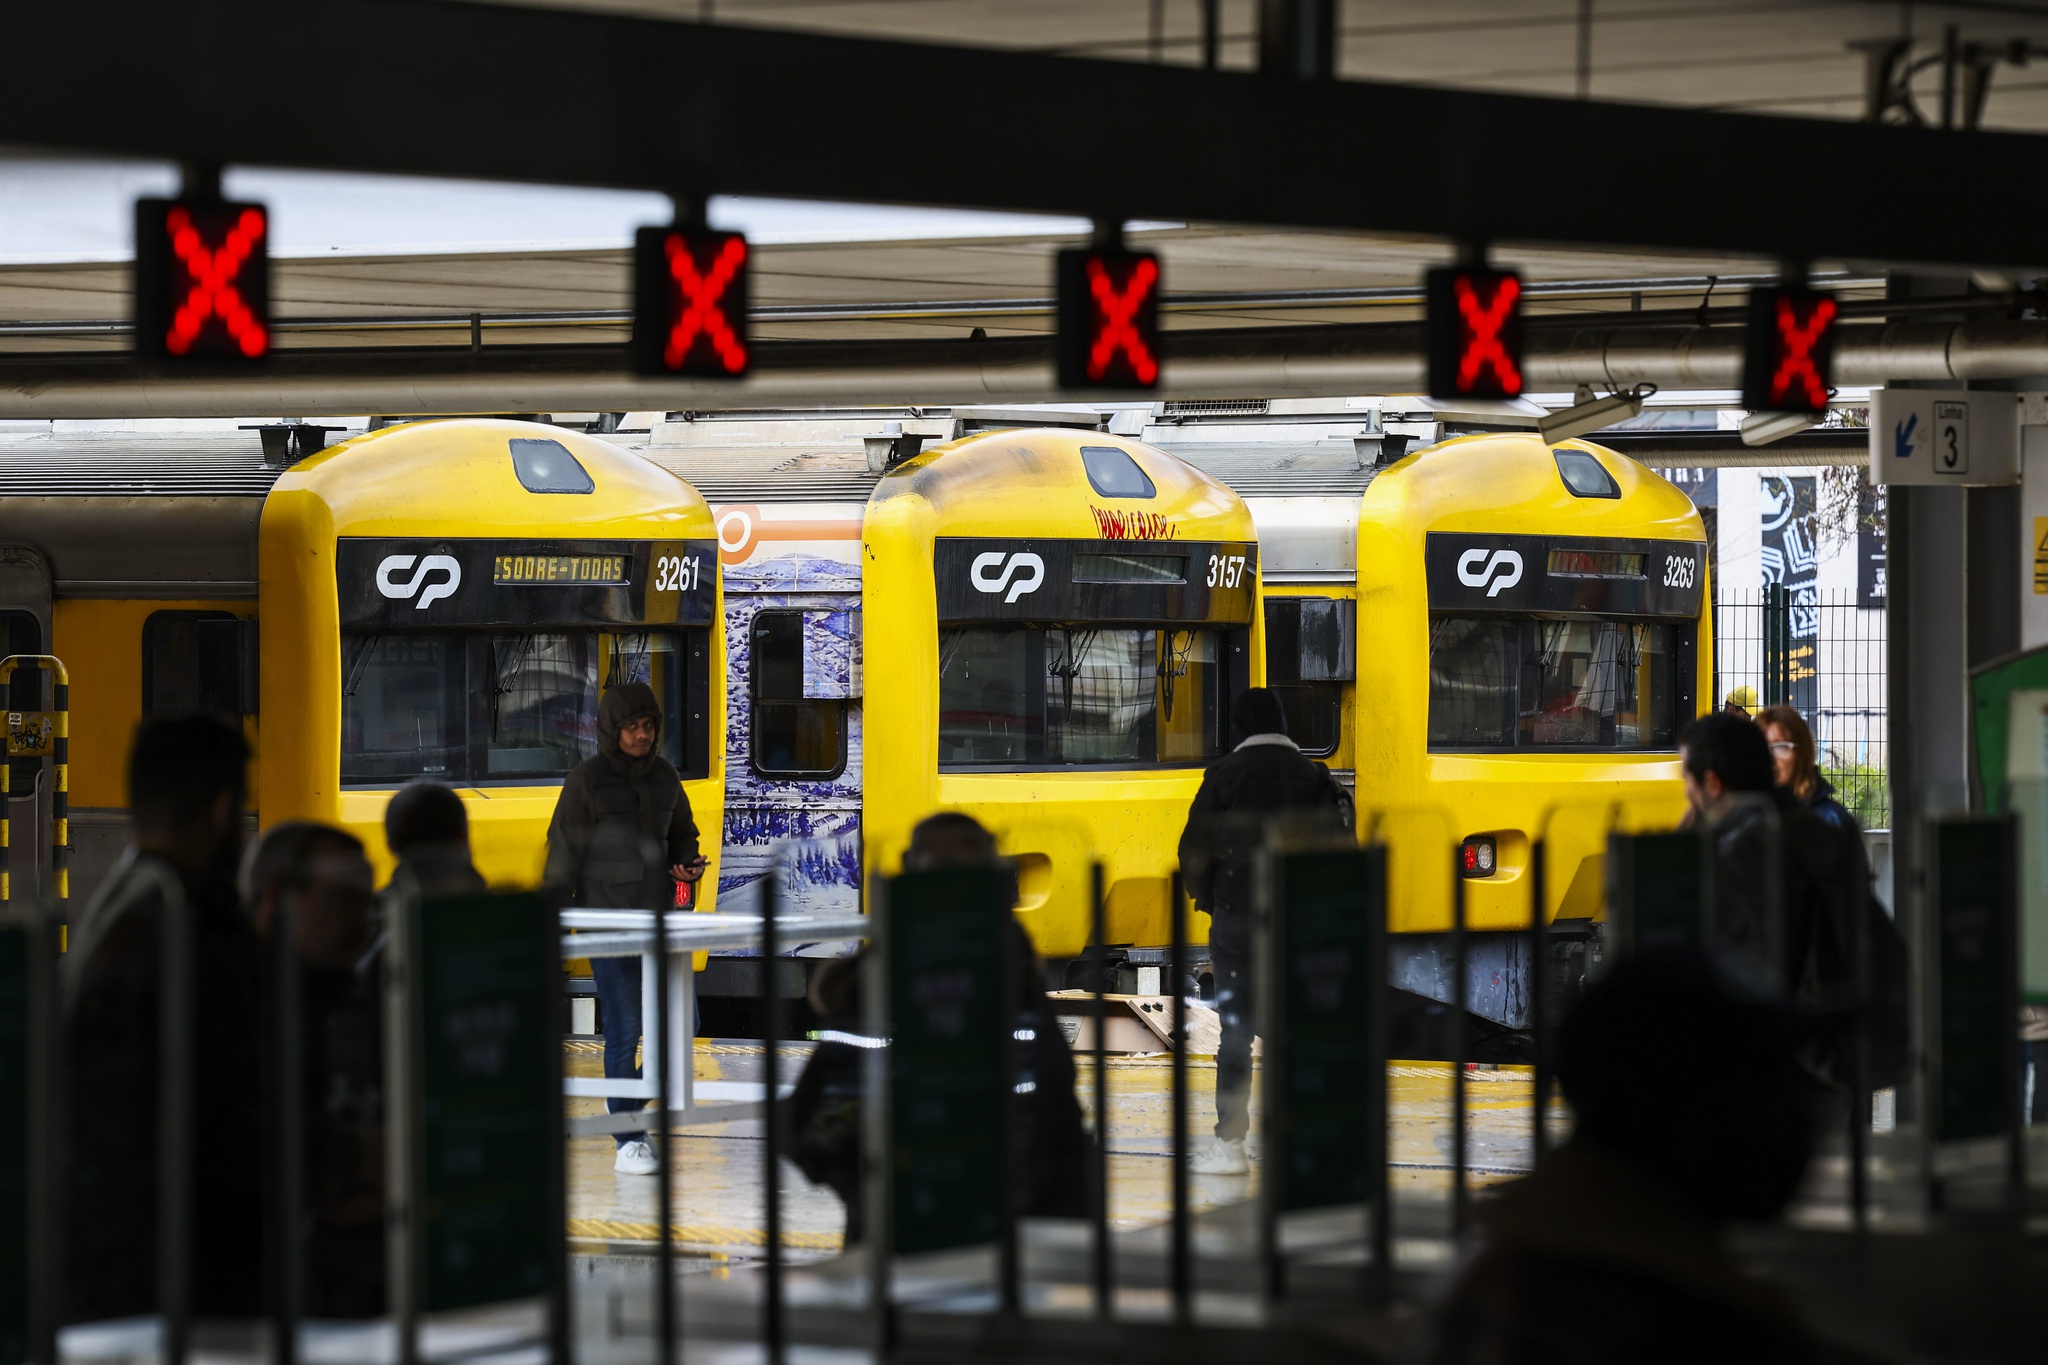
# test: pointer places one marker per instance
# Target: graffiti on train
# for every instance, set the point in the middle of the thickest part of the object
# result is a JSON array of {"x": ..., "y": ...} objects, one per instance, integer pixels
[{"x": 1117, "y": 524}]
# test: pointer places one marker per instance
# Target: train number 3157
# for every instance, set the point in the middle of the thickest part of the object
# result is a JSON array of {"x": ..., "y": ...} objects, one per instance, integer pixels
[
  {"x": 1226, "y": 571},
  {"x": 1678, "y": 570},
  {"x": 674, "y": 574}
]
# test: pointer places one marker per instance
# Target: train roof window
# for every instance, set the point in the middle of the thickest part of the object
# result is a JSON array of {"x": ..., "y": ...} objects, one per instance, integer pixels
[
  {"x": 1114, "y": 474},
  {"x": 546, "y": 466},
  {"x": 1584, "y": 475}
]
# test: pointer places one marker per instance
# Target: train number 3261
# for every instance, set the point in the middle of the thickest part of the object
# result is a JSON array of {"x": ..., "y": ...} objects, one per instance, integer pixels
[
  {"x": 1678, "y": 570},
  {"x": 676, "y": 574},
  {"x": 1226, "y": 571}
]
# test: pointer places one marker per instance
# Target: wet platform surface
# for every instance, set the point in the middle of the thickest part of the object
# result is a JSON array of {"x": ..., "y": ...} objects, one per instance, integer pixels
[{"x": 717, "y": 1209}]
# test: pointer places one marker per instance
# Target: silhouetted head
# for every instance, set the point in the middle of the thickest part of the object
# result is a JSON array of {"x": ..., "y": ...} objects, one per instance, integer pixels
[
  {"x": 188, "y": 778},
  {"x": 1724, "y": 753},
  {"x": 1257, "y": 711},
  {"x": 321, "y": 874},
  {"x": 949, "y": 839},
  {"x": 424, "y": 814},
  {"x": 1670, "y": 1069}
]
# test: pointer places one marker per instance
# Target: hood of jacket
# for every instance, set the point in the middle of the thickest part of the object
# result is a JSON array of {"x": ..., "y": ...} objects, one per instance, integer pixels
[{"x": 620, "y": 704}]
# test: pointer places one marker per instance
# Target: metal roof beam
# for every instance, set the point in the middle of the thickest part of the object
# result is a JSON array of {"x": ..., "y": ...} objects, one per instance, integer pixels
[{"x": 467, "y": 90}]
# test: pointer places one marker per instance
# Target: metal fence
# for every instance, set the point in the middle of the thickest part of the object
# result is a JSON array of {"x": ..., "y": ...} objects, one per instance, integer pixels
[{"x": 1824, "y": 655}]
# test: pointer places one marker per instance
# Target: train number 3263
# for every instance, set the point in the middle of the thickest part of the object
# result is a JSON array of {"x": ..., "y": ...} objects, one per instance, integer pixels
[
  {"x": 1226, "y": 571},
  {"x": 676, "y": 574},
  {"x": 1678, "y": 570}
]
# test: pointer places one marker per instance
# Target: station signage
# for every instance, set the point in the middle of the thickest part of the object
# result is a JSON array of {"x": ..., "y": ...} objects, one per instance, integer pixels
[
  {"x": 1788, "y": 350},
  {"x": 1108, "y": 322},
  {"x": 1961, "y": 438},
  {"x": 690, "y": 303},
  {"x": 1594, "y": 575},
  {"x": 984, "y": 579},
  {"x": 202, "y": 279},
  {"x": 390, "y": 582}
]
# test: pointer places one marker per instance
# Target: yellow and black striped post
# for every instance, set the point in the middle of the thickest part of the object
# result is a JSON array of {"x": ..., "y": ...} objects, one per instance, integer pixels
[{"x": 29, "y": 741}]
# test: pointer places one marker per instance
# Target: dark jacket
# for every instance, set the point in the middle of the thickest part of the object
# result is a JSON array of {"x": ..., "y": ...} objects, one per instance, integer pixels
[
  {"x": 113, "y": 1065},
  {"x": 1822, "y": 803},
  {"x": 610, "y": 806},
  {"x": 1263, "y": 777}
]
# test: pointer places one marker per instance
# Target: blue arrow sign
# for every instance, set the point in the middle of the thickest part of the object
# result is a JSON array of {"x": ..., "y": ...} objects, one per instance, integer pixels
[{"x": 1902, "y": 436}]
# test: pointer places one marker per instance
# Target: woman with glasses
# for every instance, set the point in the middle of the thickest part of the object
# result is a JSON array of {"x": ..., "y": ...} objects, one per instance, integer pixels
[{"x": 1792, "y": 753}]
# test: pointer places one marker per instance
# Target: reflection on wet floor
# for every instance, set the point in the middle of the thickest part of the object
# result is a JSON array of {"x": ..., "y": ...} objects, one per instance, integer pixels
[{"x": 717, "y": 1210}]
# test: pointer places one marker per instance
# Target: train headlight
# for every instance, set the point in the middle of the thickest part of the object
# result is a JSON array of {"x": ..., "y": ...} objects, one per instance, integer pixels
[{"x": 1478, "y": 857}]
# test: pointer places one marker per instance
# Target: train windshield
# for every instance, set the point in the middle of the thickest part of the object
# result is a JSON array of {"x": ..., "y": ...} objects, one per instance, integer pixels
[
  {"x": 478, "y": 706},
  {"x": 1507, "y": 682},
  {"x": 1060, "y": 695}
]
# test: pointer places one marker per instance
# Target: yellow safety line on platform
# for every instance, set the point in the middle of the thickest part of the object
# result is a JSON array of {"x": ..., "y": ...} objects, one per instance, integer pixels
[{"x": 609, "y": 1230}]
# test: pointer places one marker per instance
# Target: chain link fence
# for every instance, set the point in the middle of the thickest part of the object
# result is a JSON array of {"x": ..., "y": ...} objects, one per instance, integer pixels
[{"x": 1824, "y": 655}]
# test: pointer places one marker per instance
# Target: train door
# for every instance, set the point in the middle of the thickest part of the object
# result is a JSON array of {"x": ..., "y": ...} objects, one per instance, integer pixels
[
  {"x": 793, "y": 747},
  {"x": 25, "y": 629}
]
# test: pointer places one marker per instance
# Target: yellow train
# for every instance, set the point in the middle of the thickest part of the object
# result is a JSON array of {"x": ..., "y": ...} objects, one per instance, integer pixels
[{"x": 439, "y": 599}]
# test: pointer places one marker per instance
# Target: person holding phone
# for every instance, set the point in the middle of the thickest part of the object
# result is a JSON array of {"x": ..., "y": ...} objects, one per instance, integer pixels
[{"x": 613, "y": 805}]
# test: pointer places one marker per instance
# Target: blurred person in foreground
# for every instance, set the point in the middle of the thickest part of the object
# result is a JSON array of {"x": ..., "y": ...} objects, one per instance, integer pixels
[
  {"x": 427, "y": 830},
  {"x": 187, "y": 784},
  {"x": 824, "y": 1110},
  {"x": 1692, "y": 1113},
  {"x": 614, "y": 806},
  {"x": 1265, "y": 776},
  {"x": 1823, "y": 900},
  {"x": 317, "y": 878}
]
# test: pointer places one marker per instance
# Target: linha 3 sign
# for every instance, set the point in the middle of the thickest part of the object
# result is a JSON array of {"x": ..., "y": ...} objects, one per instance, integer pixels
[{"x": 1954, "y": 437}]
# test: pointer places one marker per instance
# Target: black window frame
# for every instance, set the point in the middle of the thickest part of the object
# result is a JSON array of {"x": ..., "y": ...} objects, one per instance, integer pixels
[
  {"x": 837, "y": 706},
  {"x": 21, "y": 632},
  {"x": 243, "y": 670},
  {"x": 1234, "y": 674},
  {"x": 691, "y": 729},
  {"x": 1684, "y": 688}
]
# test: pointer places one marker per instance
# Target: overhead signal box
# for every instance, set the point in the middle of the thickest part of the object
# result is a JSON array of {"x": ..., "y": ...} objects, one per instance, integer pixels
[
  {"x": 202, "y": 279},
  {"x": 1474, "y": 332},
  {"x": 1788, "y": 356},
  {"x": 1108, "y": 319},
  {"x": 690, "y": 303}
]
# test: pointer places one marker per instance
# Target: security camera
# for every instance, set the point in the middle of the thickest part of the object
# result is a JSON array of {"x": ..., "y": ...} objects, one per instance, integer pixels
[
  {"x": 1762, "y": 428},
  {"x": 1594, "y": 413}
]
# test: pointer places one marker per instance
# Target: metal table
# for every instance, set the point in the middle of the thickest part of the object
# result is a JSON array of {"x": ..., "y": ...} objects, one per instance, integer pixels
[{"x": 630, "y": 933}]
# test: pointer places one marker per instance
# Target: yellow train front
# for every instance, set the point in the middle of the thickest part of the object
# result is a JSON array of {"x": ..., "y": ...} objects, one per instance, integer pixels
[
  {"x": 440, "y": 600},
  {"x": 448, "y": 600},
  {"x": 1532, "y": 633},
  {"x": 1054, "y": 623}
]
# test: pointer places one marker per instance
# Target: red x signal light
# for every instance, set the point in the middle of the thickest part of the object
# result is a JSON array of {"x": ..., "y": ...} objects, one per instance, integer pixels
[
  {"x": 202, "y": 279},
  {"x": 1474, "y": 332},
  {"x": 1108, "y": 319},
  {"x": 1788, "y": 355},
  {"x": 690, "y": 303}
]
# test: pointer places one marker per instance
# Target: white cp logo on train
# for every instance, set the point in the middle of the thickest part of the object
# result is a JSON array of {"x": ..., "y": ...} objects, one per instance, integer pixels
[
  {"x": 987, "y": 579},
  {"x": 433, "y": 592},
  {"x": 1504, "y": 570}
]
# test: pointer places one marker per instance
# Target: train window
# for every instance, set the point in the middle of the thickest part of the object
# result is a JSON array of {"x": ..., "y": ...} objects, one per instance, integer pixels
[
  {"x": 1054, "y": 695},
  {"x": 791, "y": 735},
  {"x": 1114, "y": 474},
  {"x": 1315, "y": 715},
  {"x": 1584, "y": 476},
  {"x": 546, "y": 466},
  {"x": 1509, "y": 682},
  {"x": 505, "y": 707},
  {"x": 198, "y": 661},
  {"x": 22, "y": 633}
]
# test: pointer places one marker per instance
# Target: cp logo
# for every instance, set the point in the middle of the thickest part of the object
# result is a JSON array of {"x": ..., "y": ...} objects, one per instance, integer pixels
[
  {"x": 394, "y": 564},
  {"x": 991, "y": 573},
  {"x": 1504, "y": 570}
]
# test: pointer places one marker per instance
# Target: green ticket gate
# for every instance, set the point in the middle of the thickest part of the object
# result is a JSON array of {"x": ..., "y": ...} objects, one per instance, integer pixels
[
  {"x": 1974, "y": 1054},
  {"x": 476, "y": 1117},
  {"x": 1658, "y": 891}
]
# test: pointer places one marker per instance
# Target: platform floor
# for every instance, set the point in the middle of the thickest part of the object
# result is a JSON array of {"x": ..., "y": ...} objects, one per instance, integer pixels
[{"x": 717, "y": 1208}]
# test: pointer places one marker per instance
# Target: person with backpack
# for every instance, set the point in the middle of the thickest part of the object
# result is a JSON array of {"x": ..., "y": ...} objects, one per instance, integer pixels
[{"x": 1266, "y": 777}]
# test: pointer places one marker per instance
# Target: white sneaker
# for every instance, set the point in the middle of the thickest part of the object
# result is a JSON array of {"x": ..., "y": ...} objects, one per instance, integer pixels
[
  {"x": 1220, "y": 1156},
  {"x": 636, "y": 1158}
]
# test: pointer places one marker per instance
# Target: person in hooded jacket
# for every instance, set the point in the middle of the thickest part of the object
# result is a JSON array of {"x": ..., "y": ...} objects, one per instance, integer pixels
[
  {"x": 612, "y": 806},
  {"x": 1264, "y": 777}
]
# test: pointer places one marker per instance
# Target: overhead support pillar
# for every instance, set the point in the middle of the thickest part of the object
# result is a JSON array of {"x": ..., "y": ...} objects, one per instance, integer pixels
[{"x": 1298, "y": 39}]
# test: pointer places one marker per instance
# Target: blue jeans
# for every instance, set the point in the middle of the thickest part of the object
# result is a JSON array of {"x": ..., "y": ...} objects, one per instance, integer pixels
[{"x": 618, "y": 1004}]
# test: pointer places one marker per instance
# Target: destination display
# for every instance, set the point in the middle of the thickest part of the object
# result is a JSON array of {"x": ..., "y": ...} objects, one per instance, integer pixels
[
  {"x": 394, "y": 583},
  {"x": 1093, "y": 580},
  {"x": 1594, "y": 576}
]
